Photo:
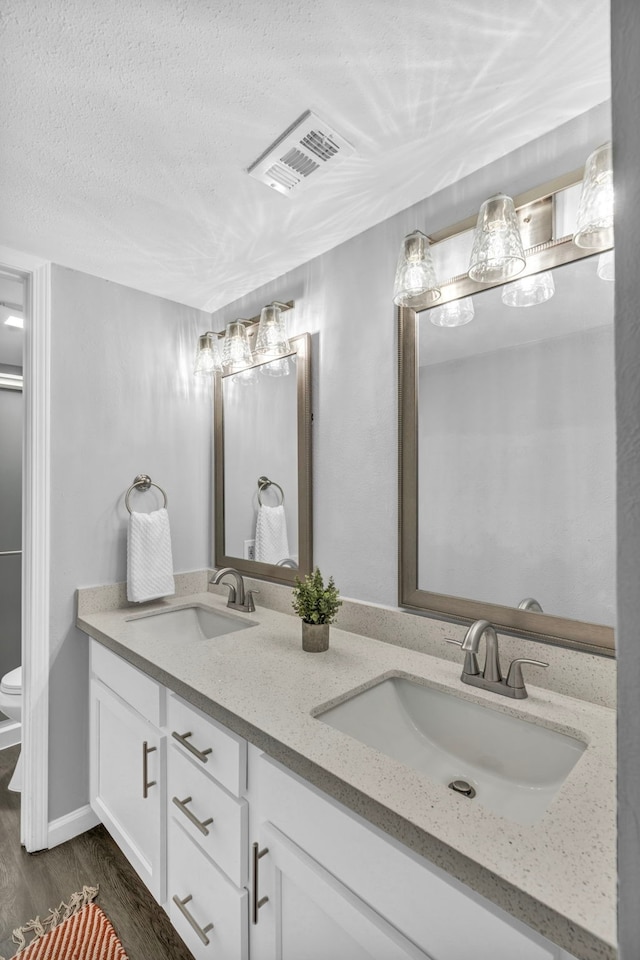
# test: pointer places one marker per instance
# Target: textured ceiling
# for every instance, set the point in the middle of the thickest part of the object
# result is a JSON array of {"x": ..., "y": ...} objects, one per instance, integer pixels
[{"x": 128, "y": 127}]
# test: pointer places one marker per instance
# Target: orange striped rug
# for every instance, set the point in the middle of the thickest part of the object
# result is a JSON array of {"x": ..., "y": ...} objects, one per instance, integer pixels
[{"x": 87, "y": 934}]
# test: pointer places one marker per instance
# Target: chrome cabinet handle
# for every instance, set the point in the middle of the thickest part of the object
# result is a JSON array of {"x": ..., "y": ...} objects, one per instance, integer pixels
[
  {"x": 256, "y": 902},
  {"x": 183, "y": 739},
  {"x": 146, "y": 783},
  {"x": 200, "y": 824},
  {"x": 201, "y": 931}
]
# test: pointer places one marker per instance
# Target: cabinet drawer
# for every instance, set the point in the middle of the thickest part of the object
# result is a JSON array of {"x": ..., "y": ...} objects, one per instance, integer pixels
[
  {"x": 134, "y": 686},
  {"x": 217, "y": 751},
  {"x": 199, "y": 895},
  {"x": 195, "y": 799}
]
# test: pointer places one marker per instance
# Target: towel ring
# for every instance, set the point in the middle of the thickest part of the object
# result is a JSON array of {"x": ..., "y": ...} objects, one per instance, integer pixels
[
  {"x": 143, "y": 482},
  {"x": 263, "y": 483}
]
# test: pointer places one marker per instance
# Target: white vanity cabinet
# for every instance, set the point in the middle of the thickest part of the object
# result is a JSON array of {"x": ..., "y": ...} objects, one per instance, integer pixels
[
  {"x": 249, "y": 859},
  {"x": 338, "y": 887},
  {"x": 128, "y": 762}
]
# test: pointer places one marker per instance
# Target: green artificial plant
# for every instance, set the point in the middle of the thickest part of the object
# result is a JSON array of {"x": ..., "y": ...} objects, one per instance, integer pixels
[{"x": 313, "y": 602}]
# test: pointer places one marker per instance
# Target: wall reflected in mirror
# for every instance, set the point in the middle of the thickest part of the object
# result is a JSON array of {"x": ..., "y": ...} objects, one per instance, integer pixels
[
  {"x": 516, "y": 441},
  {"x": 260, "y": 417},
  {"x": 262, "y": 443}
]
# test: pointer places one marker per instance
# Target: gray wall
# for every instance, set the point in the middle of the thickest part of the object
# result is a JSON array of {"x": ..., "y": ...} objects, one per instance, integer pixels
[
  {"x": 11, "y": 416},
  {"x": 626, "y": 150},
  {"x": 123, "y": 402},
  {"x": 344, "y": 299},
  {"x": 261, "y": 439},
  {"x": 517, "y": 476}
]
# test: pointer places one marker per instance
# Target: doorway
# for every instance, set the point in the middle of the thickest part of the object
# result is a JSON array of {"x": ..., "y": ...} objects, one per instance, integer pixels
[{"x": 12, "y": 301}]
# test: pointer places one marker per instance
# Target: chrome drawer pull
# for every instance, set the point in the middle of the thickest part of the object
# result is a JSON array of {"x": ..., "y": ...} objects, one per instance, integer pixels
[
  {"x": 200, "y": 824},
  {"x": 146, "y": 783},
  {"x": 257, "y": 903},
  {"x": 202, "y": 933},
  {"x": 183, "y": 739}
]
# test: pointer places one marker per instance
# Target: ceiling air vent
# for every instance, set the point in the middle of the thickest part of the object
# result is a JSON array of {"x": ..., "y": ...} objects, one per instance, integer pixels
[{"x": 300, "y": 156}]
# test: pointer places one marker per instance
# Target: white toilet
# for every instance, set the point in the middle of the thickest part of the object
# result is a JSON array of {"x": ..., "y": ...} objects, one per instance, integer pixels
[{"x": 11, "y": 706}]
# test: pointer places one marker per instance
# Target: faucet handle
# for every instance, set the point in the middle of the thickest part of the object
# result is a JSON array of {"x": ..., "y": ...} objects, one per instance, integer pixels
[
  {"x": 232, "y": 591},
  {"x": 514, "y": 676},
  {"x": 471, "y": 665},
  {"x": 250, "y": 594}
]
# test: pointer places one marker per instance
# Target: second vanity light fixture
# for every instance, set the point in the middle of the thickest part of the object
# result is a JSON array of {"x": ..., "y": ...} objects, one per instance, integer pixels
[
  {"x": 231, "y": 352},
  {"x": 498, "y": 256}
]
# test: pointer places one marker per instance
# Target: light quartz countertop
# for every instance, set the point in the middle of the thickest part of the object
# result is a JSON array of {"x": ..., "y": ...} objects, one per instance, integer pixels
[{"x": 557, "y": 876}]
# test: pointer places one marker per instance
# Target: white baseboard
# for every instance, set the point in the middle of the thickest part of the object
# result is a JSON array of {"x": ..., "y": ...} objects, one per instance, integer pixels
[
  {"x": 10, "y": 733},
  {"x": 71, "y": 825}
]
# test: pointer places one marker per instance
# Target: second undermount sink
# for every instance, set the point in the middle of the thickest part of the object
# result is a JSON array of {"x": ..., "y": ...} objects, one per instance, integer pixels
[
  {"x": 514, "y": 766},
  {"x": 188, "y": 623}
]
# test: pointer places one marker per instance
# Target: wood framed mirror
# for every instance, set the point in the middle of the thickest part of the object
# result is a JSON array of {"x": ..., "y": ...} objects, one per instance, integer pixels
[
  {"x": 262, "y": 466},
  {"x": 507, "y": 444}
]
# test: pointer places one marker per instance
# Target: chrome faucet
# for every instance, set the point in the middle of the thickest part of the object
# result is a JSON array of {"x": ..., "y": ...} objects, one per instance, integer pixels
[
  {"x": 530, "y": 603},
  {"x": 491, "y": 676},
  {"x": 238, "y": 600}
]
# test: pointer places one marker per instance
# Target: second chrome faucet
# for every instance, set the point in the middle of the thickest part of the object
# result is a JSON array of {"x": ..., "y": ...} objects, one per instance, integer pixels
[
  {"x": 238, "y": 598},
  {"x": 490, "y": 678}
]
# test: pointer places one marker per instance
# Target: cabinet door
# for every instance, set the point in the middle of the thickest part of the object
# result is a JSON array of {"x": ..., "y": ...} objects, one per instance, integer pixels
[
  {"x": 310, "y": 915},
  {"x": 127, "y": 783}
]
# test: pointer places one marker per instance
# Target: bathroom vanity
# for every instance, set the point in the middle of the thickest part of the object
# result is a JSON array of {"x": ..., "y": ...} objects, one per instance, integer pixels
[{"x": 263, "y": 828}]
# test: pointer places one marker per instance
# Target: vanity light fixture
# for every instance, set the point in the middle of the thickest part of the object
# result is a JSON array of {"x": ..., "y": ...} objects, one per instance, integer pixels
[
  {"x": 594, "y": 229},
  {"x": 455, "y": 313},
  {"x": 497, "y": 253},
  {"x": 235, "y": 355},
  {"x": 236, "y": 352},
  {"x": 415, "y": 273},
  {"x": 271, "y": 339},
  {"x": 208, "y": 358},
  {"x": 607, "y": 265},
  {"x": 529, "y": 291}
]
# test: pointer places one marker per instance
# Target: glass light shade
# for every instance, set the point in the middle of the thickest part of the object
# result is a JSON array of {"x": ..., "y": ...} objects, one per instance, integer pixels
[
  {"x": 497, "y": 252},
  {"x": 236, "y": 353},
  {"x": 453, "y": 314},
  {"x": 529, "y": 291},
  {"x": 279, "y": 367},
  {"x": 246, "y": 377},
  {"x": 271, "y": 339},
  {"x": 594, "y": 228},
  {"x": 415, "y": 273},
  {"x": 607, "y": 266},
  {"x": 208, "y": 359}
]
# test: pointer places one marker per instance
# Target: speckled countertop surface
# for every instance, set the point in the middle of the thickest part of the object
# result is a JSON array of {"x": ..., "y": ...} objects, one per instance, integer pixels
[{"x": 557, "y": 875}]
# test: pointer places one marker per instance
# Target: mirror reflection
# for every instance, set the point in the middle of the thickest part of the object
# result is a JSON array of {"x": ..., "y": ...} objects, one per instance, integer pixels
[
  {"x": 516, "y": 444},
  {"x": 261, "y": 463},
  {"x": 262, "y": 440}
]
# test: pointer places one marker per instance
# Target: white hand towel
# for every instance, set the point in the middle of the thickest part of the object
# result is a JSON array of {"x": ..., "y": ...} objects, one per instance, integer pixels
[
  {"x": 149, "y": 561},
  {"x": 272, "y": 543}
]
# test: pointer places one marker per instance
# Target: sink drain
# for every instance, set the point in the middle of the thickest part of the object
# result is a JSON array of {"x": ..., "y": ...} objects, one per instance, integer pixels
[{"x": 461, "y": 786}]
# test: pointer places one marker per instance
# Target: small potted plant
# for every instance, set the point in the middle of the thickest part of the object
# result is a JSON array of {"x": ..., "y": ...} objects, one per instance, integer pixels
[{"x": 317, "y": 607}]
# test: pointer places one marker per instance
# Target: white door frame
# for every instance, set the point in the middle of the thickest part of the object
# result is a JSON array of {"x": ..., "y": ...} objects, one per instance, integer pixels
[{"x": 35, "y": 547}]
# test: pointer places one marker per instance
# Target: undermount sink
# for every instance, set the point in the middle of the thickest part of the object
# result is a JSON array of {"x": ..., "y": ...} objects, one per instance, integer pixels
[
  {"x": 514, "y": 766},
  {"x": 189, "y": 623}
]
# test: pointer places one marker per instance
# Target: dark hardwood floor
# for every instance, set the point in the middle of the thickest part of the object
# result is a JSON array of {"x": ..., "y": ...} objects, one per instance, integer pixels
[{"x": 31, "y": 884}]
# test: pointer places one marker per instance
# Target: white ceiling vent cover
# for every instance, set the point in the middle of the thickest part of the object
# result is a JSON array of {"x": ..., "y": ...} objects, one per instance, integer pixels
[{"x": 300, "y": 156}]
